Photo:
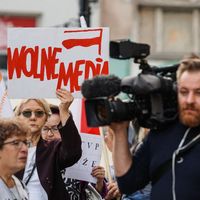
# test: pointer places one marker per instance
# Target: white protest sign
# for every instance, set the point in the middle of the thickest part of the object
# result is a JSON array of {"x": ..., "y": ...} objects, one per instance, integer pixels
[
  {"x": 91, "y": 146},
  {"x": 5, "y": 105},
  {"x": 40, "y": 60}
]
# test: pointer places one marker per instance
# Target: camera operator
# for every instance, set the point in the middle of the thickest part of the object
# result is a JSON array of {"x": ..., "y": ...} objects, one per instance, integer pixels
[{"x": 169, "y": 156}]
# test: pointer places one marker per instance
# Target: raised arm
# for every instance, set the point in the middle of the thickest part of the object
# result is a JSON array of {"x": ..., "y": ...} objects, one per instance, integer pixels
[
  {"x": 70, "y": 151},
  {"x": 121, "y": 153}
]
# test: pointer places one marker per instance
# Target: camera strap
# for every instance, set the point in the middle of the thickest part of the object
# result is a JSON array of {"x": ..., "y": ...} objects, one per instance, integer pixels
[
  {"x": 30, "y": 175},
  {"x": 162, "y": 169}
]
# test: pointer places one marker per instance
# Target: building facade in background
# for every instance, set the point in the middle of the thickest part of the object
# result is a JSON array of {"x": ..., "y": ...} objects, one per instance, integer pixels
[
  {"x": 172, "y": 28},
  {"x": 37, "y": 13}
]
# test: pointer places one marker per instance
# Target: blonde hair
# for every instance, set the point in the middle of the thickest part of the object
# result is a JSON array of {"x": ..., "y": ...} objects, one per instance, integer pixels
[
  {"x": 191, "y": 64},
  {"x": 42, "y": 102}
]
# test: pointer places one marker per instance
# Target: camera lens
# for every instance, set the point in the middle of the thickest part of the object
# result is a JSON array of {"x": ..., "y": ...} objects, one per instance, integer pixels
[{"x": 102, "y": 112}]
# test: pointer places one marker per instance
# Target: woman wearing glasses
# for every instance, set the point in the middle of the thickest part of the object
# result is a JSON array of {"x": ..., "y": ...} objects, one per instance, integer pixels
[
  {"x": 50, "y": 130},
  {"x": 75, "y": 189},
  {"x": 46, "y": 159},
  {"x": 13, "y": 156}
]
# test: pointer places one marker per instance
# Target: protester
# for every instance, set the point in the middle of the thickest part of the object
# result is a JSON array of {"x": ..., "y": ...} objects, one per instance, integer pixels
[
  {"x": 169, "y": 157},
  {"x": 47, "y": 159},
  {"x": 142, "y": 194},
  {"x": 139, "y": 135},
  {"x": 13, "y": 156},
  {"x": 50, "y": 129},
  {"x": 113, "y": 190},
  {"x": 75, "y": 189}
]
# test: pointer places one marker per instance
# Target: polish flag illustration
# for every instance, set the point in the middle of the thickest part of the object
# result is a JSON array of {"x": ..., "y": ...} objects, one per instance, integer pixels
[{"x": 84, "y": 42}]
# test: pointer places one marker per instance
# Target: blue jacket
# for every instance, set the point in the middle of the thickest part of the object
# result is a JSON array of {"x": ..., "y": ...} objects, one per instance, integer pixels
[{"x": 156, "y": 149}]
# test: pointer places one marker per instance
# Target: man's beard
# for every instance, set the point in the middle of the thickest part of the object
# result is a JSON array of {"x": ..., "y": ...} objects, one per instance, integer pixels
[{"x": 189, "y": 119}]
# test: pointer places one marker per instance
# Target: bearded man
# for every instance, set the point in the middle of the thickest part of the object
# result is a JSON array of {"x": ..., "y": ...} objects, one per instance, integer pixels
[{"x": 168, "y": 157}]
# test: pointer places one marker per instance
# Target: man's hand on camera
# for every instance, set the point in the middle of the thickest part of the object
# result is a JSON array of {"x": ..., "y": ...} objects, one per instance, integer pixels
[{"x": 119, "y": 127}]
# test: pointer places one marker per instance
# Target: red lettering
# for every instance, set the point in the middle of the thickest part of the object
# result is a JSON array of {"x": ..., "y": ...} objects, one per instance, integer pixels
[
  {"x": 15, "y": 61},
  {"x": 18, "y": 61},
  {"x": 34, "y": 60},
  {"x": 97, "y": 69},
  {"x": 48, "y": 63},
  {"x": 105, "y": 68},
  {"x": 89, "y": 65},
  {"x": 64, "y": 76},
  {"x": 75, "y": 76},
  {"x": 70, "y": 75}
]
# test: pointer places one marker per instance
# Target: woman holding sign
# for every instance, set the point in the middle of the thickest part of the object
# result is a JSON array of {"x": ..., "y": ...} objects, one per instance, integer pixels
[
  {"x": 75, "y": 189},
  {"x": 46, "y": 159}
]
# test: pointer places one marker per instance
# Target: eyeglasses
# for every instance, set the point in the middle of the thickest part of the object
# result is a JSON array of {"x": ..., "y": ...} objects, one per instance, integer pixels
[
  {"x": 18, "y": 143},
  {"x": 37, "y": 113},
  {"x": 53, "y": 129}
]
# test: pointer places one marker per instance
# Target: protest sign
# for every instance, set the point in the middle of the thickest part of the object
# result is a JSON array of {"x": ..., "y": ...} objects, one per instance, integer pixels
[
  {"x": 91, "y": 146},
  {"x": 40, "y": 60},
  {"x": 5, "y": 106}
]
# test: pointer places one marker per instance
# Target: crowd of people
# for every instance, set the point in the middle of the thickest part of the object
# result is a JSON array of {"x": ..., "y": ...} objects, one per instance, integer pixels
[{"x": 41, "y": 141}]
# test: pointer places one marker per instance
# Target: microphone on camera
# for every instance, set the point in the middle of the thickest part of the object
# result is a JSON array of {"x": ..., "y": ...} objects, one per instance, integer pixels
[{"x": 101, "y": 86}]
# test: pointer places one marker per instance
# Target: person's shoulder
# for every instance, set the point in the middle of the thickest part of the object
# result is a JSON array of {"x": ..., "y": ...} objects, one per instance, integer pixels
[
  {"x": 21, "y": 187},
  {"x": 19, "y": 183},
  {"x": 165, "y": 127}
]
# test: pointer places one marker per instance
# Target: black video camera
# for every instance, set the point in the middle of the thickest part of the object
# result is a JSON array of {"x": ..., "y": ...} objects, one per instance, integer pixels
[{"x": 152, "y": 98}]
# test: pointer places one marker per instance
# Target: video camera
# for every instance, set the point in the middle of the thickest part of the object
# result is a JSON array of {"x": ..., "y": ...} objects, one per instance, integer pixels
[{"x": 152, "y": 98}]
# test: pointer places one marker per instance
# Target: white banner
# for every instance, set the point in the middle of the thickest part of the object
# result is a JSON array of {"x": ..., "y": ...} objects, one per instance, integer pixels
[
  {"x": 91, "y": 146},
  {"x": 40, "y": 60}
]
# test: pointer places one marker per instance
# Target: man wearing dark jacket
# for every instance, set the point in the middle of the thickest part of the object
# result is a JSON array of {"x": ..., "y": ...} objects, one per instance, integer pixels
[{"x": 169, "y": 158}]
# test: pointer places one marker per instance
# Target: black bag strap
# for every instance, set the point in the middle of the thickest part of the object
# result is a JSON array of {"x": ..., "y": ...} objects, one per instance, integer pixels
[
  {"x": 22, "y": 184},
  {"x": 30, "y": 175},
  {"x": 158, "y": 173}
]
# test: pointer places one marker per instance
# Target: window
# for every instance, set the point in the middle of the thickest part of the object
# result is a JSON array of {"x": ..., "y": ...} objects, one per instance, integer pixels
[{"x": 172, "y": 32}]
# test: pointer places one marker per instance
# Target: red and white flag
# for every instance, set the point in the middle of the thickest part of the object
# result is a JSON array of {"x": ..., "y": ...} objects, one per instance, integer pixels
[{"x": 5, "y": 105}]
